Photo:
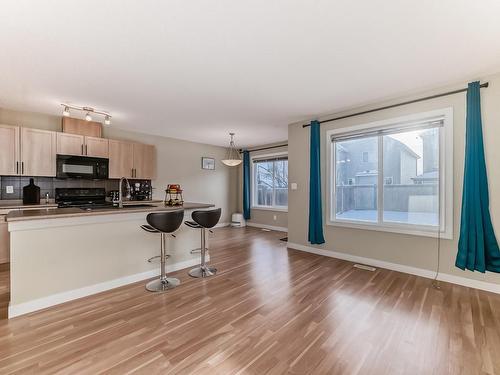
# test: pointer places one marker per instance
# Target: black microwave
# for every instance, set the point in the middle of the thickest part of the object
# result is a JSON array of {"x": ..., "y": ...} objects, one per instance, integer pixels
[{"x": 84, "y": 167}]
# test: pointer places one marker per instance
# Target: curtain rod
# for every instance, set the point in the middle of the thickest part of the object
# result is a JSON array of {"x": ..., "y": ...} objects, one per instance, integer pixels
[
  {"x": 484, "y": 85},
  {"x": 264, "y": 148}
]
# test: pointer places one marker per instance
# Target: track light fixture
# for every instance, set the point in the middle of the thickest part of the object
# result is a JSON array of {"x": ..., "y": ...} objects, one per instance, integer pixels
[{"x": 89, "y": 111}]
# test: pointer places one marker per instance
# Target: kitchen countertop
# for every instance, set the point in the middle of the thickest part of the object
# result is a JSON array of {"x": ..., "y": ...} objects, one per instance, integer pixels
[
  {"x": 15, "y": 204},
  {"x": 46, "y": 212}
]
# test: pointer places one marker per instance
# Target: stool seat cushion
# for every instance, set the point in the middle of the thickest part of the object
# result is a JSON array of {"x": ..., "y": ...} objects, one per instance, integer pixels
[
  {"x": 167, "y": 221},
  {"x": 149, "y": 228},
  {"x": 207, "y": 218},
  {"x": 192, "y": 224}
]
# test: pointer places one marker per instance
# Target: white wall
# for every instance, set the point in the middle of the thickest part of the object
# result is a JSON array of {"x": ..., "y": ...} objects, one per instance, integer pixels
[{"x": 407, "y": 250}]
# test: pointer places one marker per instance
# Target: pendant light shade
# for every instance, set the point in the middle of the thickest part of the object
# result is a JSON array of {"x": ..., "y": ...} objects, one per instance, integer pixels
[{"x": 232, "y": 158}]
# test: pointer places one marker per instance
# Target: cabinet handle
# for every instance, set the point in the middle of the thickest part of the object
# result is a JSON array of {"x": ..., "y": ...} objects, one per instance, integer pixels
[
  {"x": 82, "y": 150},
  {"x": 17, "y": 167},
  {"x": 22, "y": 167},
  {"x": 132, "y": 173},
  {"x": 86, "y": 152}
]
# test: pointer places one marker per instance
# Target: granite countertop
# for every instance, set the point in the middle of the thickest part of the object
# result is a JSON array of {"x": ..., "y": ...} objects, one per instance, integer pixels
[{"x": 45, "y": 212}]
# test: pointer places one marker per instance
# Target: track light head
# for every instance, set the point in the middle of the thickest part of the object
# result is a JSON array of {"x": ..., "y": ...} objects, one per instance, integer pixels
[
  {"x": 88, "y": 117},
  {"x": 107, "y": 120},
  {"x": 66, "y": 112}
]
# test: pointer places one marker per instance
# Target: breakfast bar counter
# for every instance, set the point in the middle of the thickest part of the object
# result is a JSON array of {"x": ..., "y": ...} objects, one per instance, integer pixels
[{"x": 60, "y": 254}]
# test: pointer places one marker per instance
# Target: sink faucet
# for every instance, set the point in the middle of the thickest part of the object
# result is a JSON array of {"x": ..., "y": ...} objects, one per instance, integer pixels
[{"x": 120, "y": 192}]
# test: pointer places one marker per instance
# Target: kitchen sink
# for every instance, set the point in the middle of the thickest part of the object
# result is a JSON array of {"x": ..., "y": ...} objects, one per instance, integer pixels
[{"x": 140, "y": 205}]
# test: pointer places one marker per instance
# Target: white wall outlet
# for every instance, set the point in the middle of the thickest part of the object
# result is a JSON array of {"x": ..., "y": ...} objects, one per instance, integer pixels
[
  {"x": 9, "y": 189},
  {"x": 293, "y": 186},
  {"x": 274, "y": 217}
]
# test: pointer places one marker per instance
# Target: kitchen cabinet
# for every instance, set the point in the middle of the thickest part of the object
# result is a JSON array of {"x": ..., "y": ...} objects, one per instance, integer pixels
[
  {"x": 82, "y": 127},
  {"x": 38, "y": 152},
  {"x": 9, "y": 150},
  {"x": 121, "y": 159},
  {"x": 74, "y": 144},
  {"x": 144, "y": 161},
  {"x": 131, "y": 160},
  {"x": 27, "y": 152},
  {"x": 97, "y": 147},
  {"x": 4, "y": 241},
  {"x": 70, "y": 144}
]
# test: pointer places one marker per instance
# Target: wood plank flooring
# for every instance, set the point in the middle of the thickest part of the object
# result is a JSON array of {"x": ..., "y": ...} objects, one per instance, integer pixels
[{"x": 268, "y": 311}]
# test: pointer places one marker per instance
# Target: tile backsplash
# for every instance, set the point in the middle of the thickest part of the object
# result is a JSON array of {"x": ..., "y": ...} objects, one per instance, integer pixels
[{"x": 48, "y": 185}]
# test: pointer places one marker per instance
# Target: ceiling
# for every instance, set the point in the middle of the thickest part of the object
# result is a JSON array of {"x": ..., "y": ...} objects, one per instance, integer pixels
[{"x": 198, "y": 69}]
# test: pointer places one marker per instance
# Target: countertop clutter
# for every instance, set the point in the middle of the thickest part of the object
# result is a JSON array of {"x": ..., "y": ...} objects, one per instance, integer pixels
[{"x": 52, "y": 212}]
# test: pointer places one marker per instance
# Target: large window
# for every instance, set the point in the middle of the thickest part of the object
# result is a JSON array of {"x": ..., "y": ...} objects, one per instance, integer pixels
[
  {"x": 270, "y": 182},
  {"x": 392, "y": 175}
]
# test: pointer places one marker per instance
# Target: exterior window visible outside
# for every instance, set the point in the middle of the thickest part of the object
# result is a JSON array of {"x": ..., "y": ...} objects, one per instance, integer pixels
[
  {"x": 270, "y": 182},
  {"x": 389, "y": 177}
]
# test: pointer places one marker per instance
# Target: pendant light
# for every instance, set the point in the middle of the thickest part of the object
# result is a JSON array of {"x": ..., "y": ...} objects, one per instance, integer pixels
[{"x": 233, "y": 156}]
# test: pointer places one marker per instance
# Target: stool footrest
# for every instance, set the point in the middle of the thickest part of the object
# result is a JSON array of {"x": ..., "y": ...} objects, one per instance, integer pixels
[
  {"x": 149, "y": 228},
  {"x": 150, "y": 260}
]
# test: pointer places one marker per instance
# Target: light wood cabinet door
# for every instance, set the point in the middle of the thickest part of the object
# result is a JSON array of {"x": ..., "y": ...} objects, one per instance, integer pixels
[
  {"x": 9, "y": 150},
  {"x": 121, "y": 159},
  {"x": 144, "y": 161},
  {"x": 70, "y": 144},
  {"x": 81, "y": 127},
  {"x": 38, "y": 152},
  {"x": 4, "y": 241},
  {"x": 96, "y": 147}
]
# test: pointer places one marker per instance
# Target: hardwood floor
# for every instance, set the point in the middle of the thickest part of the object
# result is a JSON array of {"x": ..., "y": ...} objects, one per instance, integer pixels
[{"x": 268, "y": 311}]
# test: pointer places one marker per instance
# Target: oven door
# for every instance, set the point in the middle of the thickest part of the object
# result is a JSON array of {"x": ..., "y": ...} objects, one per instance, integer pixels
[{"x": 81, "y": 167}]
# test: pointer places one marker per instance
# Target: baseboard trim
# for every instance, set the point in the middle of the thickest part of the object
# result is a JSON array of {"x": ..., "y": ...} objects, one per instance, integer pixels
[
  {"x": 463, "y": 281},
  {"x": 56, "y": 299},
  {"x": 264, "y": 226}
]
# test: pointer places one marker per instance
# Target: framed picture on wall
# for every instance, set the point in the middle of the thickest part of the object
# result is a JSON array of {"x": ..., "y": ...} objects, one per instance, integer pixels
[{"x": 207, "y": 163}]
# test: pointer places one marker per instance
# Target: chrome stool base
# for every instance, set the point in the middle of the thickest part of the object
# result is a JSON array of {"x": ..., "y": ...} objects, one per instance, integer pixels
[
  {"x": 161, "y": 285},
  {"x": 203, "y": 271}
]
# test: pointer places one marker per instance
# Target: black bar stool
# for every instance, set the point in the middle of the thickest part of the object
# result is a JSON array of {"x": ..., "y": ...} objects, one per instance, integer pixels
[
  {"x": 203, "y": 220},
  {"x": 163, "y": 223}
]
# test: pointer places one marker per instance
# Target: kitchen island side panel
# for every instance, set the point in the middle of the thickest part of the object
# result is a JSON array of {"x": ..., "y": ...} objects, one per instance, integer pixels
[{"x": 75, "y": 253}]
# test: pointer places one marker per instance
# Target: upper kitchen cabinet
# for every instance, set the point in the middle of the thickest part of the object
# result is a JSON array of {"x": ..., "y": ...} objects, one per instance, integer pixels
[
  {"x": 82, "y": 127},
  {"x": 70, "y": 144},
  {"x": 132, "y": 160},
  {"x": 144, "y": 161},
  {"x": 121, "y": 159},
  {"x": 9, "y": 150},
  {"x": 74, "y": 144},
  {"x": 97, "y": 147},
  {"x": 38, "y": 152}
]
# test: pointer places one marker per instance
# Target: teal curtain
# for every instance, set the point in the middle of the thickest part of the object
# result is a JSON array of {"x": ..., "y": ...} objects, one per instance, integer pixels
[
  {"x": 477, "y": 247},
  {"x": 315, "y": 211},
  {"x": 246, "y": 185}
]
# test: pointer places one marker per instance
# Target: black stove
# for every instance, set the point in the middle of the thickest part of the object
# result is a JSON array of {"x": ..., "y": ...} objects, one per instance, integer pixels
[{"x": 84, "y": 198}]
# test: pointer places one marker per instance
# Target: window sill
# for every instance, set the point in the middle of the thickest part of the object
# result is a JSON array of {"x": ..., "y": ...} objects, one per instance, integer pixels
[
  {"x": 413, "y": 230},
  {"x": 263, "y": 208}
]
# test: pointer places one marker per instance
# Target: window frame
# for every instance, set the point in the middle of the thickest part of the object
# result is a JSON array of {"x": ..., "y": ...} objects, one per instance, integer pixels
[
  {"x": 445, "y": 175},
  {"x": 253, "y": 188}
]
